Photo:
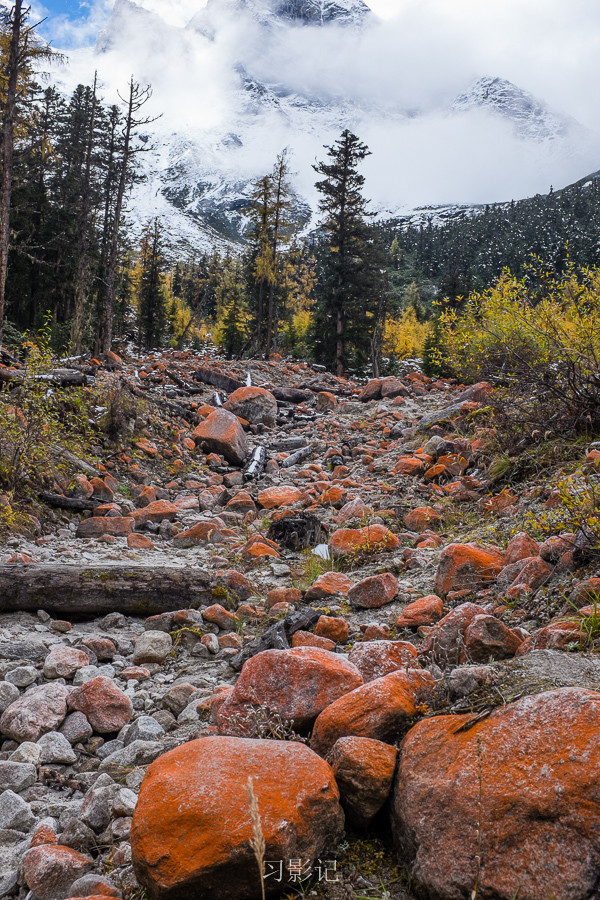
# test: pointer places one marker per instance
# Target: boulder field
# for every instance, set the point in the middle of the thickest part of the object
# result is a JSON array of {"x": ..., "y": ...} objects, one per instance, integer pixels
[{"x": 294, "y": 636}]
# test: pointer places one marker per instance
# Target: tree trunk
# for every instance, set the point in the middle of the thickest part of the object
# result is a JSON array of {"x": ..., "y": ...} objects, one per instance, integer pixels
[
  {"x": 339, "y": 344},
  {"x": 8, "y": 138},
  {"x": 89, "y": 591}
]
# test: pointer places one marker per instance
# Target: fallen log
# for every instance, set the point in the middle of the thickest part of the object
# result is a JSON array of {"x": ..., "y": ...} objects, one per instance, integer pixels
[
  {"x": 59, "y": 501},
  {"x": 256, "y": 466},
  {"x": 297, "y": 457},
  {"x": 88, "y": 591},
  {"x": 218, "y": 379}
]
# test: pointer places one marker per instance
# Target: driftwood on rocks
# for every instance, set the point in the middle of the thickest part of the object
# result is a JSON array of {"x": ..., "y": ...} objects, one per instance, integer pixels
[
  {"x": 292, "y": 394},
  {"x": 59, "y": 501},
  {"x": 277, "y": 637},
  {"x": 82, "y": 591},
  {"x": 218, "y": 379},
  {"x": 290, "y": 443},
  {"x": 297, "y": 457},
  {"x": 79, "y": 464},
  {"x": 256, "y": 465},
  {"x": 60, "y": 377}
]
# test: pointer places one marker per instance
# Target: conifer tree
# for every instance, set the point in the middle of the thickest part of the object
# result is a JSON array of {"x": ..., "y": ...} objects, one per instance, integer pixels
[
  {"x": 350, "y": 297},
  {"x": 152, "y": 297}
]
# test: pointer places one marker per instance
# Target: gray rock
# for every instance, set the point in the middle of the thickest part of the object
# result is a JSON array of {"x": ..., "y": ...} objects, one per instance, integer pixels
[
  {"x": 109, "y": 747},
  {"x": 152, "y": 647},
  {"x": 143, "y": 729},
  {"x": 124, "y": 802},
  {"x": 86, "y": 673},
  {"x": 96, "y": 807},
  {"x": 27, "y": 752},
  {"x": 56, "y": 749},
  {"x": 76, "y": 728},
  {"x": 8, "y": 883},
  {"x": 78, "y": 836},
  {"x": 8, "y": 694},
  {"x": 22, "y": 676},
  {"x": 138, "y": 753},
  {"x": 39, "y": 710},
  {"x": 14, "y": 812},
  {"x": 16, "y": 776}
]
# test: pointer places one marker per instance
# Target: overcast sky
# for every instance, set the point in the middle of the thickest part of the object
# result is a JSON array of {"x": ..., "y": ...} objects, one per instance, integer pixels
[{"x": 421, "y": 55}]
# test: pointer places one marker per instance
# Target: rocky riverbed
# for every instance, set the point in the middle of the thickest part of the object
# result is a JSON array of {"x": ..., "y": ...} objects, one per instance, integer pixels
[{"x": 297, "y": 611}]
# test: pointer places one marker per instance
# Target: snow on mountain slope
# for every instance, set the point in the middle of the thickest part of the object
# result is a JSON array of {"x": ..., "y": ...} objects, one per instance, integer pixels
[{"x": 242, "y": 79}]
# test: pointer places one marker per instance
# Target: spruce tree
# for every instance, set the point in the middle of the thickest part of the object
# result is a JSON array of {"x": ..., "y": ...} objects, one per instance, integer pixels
[
  {"x": 350, "y": 295},
  {"x": 152, "y": 297}
]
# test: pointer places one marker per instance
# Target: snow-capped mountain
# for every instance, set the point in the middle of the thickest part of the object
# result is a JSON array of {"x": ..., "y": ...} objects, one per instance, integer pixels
[
  {"x": 530, "y": 117},
  {"x": 243, "y": 79}
]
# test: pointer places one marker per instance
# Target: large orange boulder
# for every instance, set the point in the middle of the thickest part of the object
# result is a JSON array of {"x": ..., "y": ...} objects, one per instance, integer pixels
[
  {"x": 374, "y": 659},
  {"x": 374, "y": 591},
  {"x": 364, "y": 771},
  {"x": 370, "y": 539},
  {"x": 254, "y": 404},
  {"x": 283, "y": 495},
  {"x": 422, "y": 519},
  {"x": 96, "y": 526},
  {"x": 423, "y": 611},
  {"x": 518, "y": 791},
  {"x": 466, "y": 566},
  {"x": 192, "y": 827},
  {"x": 295, "y": 684},
  {"x": 327, "y": 586},
  {"x": 380, "y": 709},
  {"x": 222, "y": 433}
]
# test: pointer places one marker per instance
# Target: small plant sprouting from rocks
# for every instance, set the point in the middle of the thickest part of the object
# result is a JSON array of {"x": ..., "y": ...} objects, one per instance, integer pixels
[
  {"x": 262, "y": 722},
  {"x": 257, "y": 841}
]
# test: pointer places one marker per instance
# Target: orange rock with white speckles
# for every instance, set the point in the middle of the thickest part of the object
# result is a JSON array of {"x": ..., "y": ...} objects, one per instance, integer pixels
[
  {"x": 191, "y": 829},
  {"x": 519, "y": 790}
]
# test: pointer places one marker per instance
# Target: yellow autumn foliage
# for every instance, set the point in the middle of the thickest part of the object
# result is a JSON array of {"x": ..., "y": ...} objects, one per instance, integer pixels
[{"x": 404, "y": 336}]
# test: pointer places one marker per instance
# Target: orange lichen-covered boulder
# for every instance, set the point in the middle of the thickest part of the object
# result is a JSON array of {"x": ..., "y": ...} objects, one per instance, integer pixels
[
  {"x": 191, "y": 829},
  {"x": 466, "y": 566},
  {"x": 522, "y": 546},
  {"x": 422, "y": 519},
  {"x": 222, "y": 433},
  {"x": 283, "y": 495},
  {"x": 486, "y": 637},
  {"x": 364, "y": 771},
  {"x": 371, "y": 538},
  {"x": 99, "y": 525},
  {"x": 374, "y": 591},
  {"x": 328, "y": 585},
  {"x": 379, "y": 710},
  {"x": 519, "y": 791},
  {"x": 374, "y": 659},
  {"x": 51, "y": 869},
  {"x": 107, "y": 708},
  {"x": 296, "y": 684},
  {"x": 254, "y": 404},
  {"x": 423, "y": 611}
]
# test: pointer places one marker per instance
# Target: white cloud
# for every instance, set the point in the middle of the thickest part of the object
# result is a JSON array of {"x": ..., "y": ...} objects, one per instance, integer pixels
[{"x": 418, "y": 56}]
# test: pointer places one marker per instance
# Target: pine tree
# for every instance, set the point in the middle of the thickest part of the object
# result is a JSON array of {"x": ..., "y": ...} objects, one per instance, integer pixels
[
  {"x": 152, "y": 297},
  {"x": 350, "y": 297}
]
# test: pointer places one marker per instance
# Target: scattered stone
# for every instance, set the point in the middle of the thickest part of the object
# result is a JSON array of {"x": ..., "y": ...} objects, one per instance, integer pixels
[
  {"x": 364, "y": 771},
  {"x": 50, "y": 870},
  {"x": 39, "y": 710},
  {"x": 373, "y": 592},
  {"x": 106, "y": 707},
  {"x": 466, "y": 566},
  {"x": 152, "y": 647},
  {"x": 192, "y": 829}
]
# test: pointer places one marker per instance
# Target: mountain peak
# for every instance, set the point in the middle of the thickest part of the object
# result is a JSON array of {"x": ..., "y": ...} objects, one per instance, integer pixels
[
  {"x": 299, "y": 12},
  {"x": 531, "y": 118}
]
